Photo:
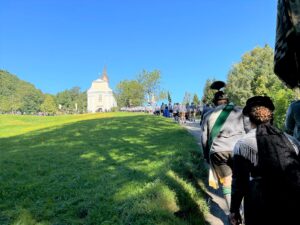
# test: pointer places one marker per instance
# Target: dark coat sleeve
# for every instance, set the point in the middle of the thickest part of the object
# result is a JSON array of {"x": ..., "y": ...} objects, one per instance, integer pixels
[{"x": 240, "y": 181}]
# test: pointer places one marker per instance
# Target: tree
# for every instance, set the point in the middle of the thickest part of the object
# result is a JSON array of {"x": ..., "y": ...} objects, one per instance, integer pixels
[
  {"x": 254, "y": 76},
  {"x": 146, "y": 88},
  {"x": 49, "y": 106},
  {"x": 82, "y": 102},
  {"x": 18, "y": 95},
  {"x": 169, "y": 98},
  {"x": 196, "y": 100},
  {"x": 150, "y": 82},
  {"x": 129, "y": 93},
  {"x": 208, "y": 93},
  {"x": 186, "y": 98},
  {"x": 31, "y": 102},
  {"x": 72, "y": 100}
]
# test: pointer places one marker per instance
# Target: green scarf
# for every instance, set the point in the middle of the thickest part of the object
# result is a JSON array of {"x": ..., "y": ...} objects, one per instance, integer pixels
[{"x": 219, "y": 123}]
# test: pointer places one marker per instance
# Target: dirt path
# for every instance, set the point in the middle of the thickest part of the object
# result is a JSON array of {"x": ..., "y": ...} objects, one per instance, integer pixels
[{"x": 217, "y": 204}]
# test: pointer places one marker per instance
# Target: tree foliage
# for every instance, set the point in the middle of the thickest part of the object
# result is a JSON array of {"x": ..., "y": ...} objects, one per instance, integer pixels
[
  {"x": 17, "y": 95},
  {"x": 49, "y": 105},
  {"x": 169, "y": 98},
  {"x": 129, "y": 93},
  {"x": 196, "y": 100},
  {"x": 254, "y": 76},
  {"x": 31, "y": 101},
  {"x": 72, "y": 100},
  {"x": 186, "y": 98},
  {"x": 143, "y": 89},
  {"x": 150, "y": 82},
  {"x": 208, "y": 94}
]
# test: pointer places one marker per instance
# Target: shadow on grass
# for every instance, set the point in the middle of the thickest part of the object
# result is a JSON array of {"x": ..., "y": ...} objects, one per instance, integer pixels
[{"x": 88, "y": 171}]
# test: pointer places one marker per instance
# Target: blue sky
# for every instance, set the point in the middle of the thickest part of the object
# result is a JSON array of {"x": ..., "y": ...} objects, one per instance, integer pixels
[{"x": 59, "y": 44}]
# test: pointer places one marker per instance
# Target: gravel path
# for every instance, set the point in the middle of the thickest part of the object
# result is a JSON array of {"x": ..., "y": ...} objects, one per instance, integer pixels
[{"x": 217, "y": 204}]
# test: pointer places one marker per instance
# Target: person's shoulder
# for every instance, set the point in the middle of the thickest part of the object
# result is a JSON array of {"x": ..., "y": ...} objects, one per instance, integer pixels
[
  {"x": 292, "y": 138},
  {"x": 294, "y": 141},
  {"x": 218, "y": 108},
  {"x": 208, "y": 113},
  {"x": 249, "y": 139},
  {"x": 236, "y": 107},
  {"x": 295, "y": 103}
]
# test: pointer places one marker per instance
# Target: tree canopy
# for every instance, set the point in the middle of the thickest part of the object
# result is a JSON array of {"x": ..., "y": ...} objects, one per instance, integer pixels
[
  {"x": 196, "y": 99},
  {"x": 129, "y": 93},
  {"x": 208, "y": 94},
  {"x": 72, "y": 100},
  {"x": 49, "y": 105},
  {"x": 18, "y": 95},
  {"x": 150, "y": 82},
  {"x": 144, "y": 89},
  {"x": 254, "y": 75},
  {"x": 186, "y": 98},
  {"x": 169, "y": 98}
]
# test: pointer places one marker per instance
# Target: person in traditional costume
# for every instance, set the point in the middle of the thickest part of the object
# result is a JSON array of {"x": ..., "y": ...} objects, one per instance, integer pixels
[
  {"x": 257, "y": 170},
  {"x": 221, "y": 128}
]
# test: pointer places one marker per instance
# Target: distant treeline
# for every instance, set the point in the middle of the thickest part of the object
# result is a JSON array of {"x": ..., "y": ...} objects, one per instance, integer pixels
[{"x": 20, "y": 97}]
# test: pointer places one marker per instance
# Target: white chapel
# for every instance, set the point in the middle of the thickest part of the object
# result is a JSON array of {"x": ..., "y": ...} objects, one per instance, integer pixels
[{"x": 100, "y": 96}]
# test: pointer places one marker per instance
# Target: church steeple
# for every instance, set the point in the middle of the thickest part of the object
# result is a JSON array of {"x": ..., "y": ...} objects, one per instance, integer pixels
[{"x": 104, "y": 75}]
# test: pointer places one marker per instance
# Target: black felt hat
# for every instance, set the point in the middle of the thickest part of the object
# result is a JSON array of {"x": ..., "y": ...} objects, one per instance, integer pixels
[
  {"x": 217, "y": 85},
  {"x": 219, "y": 95},
  {"x": 258, "y": 101}
]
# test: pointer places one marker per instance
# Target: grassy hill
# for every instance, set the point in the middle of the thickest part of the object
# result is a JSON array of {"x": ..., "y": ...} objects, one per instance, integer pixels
[{"x": 110, "y": 168}]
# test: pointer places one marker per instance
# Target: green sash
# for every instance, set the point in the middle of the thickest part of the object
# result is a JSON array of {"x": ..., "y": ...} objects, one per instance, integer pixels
[{"x": 219, "y": 123}]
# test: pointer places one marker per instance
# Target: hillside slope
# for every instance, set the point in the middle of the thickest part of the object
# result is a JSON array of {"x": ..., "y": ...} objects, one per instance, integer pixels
[{"x": 99, "y": 169}]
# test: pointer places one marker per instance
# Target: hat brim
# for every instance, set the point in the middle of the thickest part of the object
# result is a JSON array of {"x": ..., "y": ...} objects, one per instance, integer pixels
[
  {"x": 268, "y": 104},
  {"x": 217, "y": 85}
]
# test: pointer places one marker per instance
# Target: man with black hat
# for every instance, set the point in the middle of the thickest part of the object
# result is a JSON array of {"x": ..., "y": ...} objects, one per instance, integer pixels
[{"x": 222, "y": 127}]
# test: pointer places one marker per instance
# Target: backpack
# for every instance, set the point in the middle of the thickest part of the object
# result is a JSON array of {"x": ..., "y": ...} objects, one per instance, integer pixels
[{"x": 279, "y": 166}]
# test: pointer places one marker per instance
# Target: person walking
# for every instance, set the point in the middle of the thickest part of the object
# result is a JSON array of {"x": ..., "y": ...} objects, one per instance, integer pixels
[
  {"x": 270, "y": 196},
  {"x": 222, "y": 127},
  {"x": 292, "y": 121},
  {"x": 182, "y": 112},
  {"x": 176, "y": 112},
  {"x": 166, "y": 112},
  {"x": 193, "y": 112},
  {"x": 205, "y": 109}
]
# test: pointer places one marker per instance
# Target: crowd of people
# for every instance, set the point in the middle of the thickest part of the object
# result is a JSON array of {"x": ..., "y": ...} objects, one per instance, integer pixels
[
  {"x": 255, "y": 162},
  {"x": 180, "y": 112}
]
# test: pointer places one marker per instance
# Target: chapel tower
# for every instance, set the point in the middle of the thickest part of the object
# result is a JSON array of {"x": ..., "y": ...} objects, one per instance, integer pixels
[{"x": 100, "y": 96}]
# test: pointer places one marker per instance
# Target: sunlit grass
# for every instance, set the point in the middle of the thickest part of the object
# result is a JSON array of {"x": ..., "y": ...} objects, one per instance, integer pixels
[
  {"x": 11, "y": 125},
  {"x": 109, "y": 168}
]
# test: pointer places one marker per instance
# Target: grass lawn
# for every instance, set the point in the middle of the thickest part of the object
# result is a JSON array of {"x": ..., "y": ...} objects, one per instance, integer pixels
[{"x": 109, "y": 168}]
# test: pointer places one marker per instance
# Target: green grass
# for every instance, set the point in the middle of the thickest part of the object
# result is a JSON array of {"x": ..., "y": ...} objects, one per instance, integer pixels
[{"x": 110, "y": 168}]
